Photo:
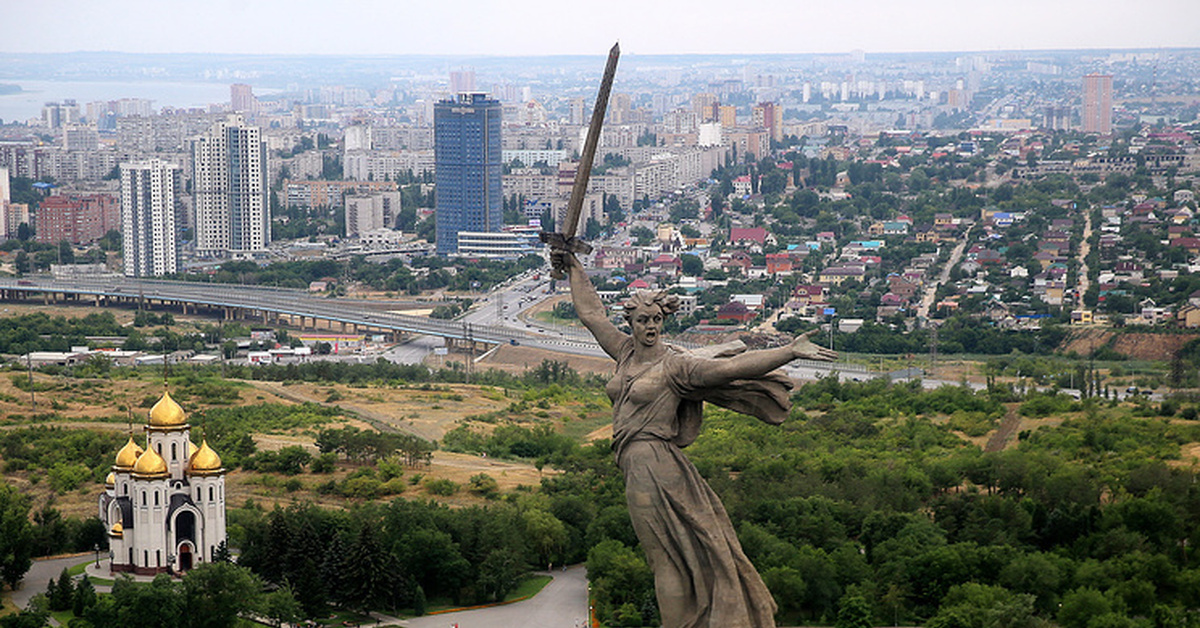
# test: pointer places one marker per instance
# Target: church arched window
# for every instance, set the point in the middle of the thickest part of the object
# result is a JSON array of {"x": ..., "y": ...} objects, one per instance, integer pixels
[
  {"x": 173, "y": 452},
  {"x": 210, "y": 493},
  {"x": 155, "y": 498},
  {"x": 143, "y": 498}
]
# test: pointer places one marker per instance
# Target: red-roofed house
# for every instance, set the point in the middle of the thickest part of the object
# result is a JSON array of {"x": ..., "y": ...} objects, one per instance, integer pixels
[
  {"x": 734, "y": 310},
  {"x": 736, "y": 262},
  {"x": 668, "y": 264},
  {"x": 778, "y": 263},
  {"x": 809, "y": 294},
  {"x": 1191, "y": 244},
  {"x": 748, "y": 236}
]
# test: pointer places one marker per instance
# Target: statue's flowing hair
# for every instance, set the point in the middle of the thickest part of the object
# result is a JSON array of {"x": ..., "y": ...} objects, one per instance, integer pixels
[{"x": 668, "y": 303}]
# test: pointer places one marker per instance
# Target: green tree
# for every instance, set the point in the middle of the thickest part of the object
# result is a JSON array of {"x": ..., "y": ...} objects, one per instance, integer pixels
[
  {"x": 280, "y": 607},
  {"x": 546, "y": 534},
  {"x": 16, "y": 536},
  {"x": 61, "y": 593},
  {"x": 85, "y": 597},
  {"x": 1081, "y": 606},
  {"x": 215, "y": 594},
  {"x": 853, "y": 612},
  {"x": 66, "y": 253},
  {"x": 373, "y": 580},
  {"x": 155, "y": 605}
]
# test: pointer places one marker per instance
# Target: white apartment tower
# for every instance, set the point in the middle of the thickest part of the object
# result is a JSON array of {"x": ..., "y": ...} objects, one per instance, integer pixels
[
  {"x": 150, "y": 192},
  {"x": 230, "y": 185}
]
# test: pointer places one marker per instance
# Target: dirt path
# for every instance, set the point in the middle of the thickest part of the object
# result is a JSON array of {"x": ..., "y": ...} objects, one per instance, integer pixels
[
  {"x": 1085, "y": 247},
  {"x": 1008, "y": 428},
  {"x": 378, "y": 420},
  {"x": 931, "y": 291}
]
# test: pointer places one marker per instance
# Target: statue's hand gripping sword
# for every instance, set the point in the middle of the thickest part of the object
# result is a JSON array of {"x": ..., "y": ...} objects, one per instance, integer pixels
[{"x": 565, "y": 239}]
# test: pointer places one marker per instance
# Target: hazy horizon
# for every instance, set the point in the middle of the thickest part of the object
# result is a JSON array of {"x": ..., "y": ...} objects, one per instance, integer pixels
[{"x": 547, "y": 28}]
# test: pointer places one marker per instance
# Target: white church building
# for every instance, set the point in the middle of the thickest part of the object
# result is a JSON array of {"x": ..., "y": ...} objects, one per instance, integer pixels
[{"x": 164, "y": 505}]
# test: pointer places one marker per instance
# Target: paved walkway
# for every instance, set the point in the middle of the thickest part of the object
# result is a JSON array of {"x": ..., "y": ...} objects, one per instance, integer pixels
[
  {"x": 561, "y": 604},
  {"x": 39, "y": 576}
]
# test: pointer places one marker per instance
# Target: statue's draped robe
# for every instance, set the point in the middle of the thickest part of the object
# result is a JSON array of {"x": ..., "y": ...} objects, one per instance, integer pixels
[{"x": 702, "y": 576}]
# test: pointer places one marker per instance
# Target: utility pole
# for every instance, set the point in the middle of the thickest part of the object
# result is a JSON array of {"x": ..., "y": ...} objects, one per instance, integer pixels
[
  {"x": 29, "y": 366},
  {"x": 933, "y": 350}
]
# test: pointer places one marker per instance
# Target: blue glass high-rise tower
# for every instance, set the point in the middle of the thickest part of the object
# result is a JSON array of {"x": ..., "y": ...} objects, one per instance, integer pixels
[{"x": 467, "y": 156}]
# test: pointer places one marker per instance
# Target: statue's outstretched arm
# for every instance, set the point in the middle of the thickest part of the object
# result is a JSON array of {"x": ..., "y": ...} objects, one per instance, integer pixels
[
  {"x": 588, "y": 306},
  {"x": 753, "y": 364}
]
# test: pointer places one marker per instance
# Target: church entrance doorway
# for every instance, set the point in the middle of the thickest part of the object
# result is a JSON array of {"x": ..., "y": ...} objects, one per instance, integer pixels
[{"x": 185, "y": 557}]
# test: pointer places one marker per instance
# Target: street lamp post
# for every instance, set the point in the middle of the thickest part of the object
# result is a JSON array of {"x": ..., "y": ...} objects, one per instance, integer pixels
[{"x": 96, "y": 548}]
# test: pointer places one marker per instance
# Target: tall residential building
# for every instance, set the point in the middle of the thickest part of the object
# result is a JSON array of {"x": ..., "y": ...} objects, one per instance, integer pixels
[
  {"x": 1097, "y": 103},
  {"x": 56, "y": 115},
  {"x": 77, "y": 218},
  {"x": 462, "y": 80},
  {"x": 769, "y": 115},
  {"x": 150, "y": 190},
  {"x": 241, "y": 98},
  {"x": 370, "y": 212},
  {"x": 468, "y": 167},
  {"x": 707, "y": 106},
  {"x": 578, "y": 111},
  {"x": 727, "y": 115},
  {"x": 230, "y": 186}
]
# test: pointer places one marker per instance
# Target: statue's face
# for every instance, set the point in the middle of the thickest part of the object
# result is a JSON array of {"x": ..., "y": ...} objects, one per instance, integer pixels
[{"x": 647, "y": 325}]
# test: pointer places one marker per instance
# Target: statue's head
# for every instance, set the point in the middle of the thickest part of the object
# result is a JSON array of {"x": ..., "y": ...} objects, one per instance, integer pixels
[{"x": 645, "y": 312}]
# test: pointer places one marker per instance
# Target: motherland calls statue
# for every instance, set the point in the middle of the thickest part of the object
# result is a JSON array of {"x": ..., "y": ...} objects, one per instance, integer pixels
[{"x": 701, "y": 575}]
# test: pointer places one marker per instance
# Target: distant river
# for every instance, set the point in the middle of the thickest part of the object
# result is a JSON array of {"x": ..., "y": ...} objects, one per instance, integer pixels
[{"x": 35, "y": 93}]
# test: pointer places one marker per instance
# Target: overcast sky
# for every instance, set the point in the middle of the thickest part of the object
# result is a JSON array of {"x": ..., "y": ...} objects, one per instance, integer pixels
[{"x": 543, "y": 27}]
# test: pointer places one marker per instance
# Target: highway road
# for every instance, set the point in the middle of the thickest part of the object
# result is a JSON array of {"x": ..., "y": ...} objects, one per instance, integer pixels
[
  {"x": 494, "y": 320},
  {"x": 299, "y": 303}
]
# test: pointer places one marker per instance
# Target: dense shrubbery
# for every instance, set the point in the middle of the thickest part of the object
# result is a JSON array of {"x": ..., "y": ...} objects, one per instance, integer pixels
[
  {"x": 67, "y": 458},
  {"x": 41, "y": 332},
  {"x": 391, "y": 556},
  {"x": 957, "y": 334},
  {"x": 509, "y": 441},
  {"x": 213, "y": 595}
]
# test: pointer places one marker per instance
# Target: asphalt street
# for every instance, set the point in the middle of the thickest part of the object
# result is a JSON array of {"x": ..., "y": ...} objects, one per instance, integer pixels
[{"x": 561, "y": 604}]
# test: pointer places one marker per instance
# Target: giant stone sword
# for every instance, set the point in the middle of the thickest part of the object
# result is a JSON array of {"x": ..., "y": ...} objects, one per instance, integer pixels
[{"x": 565, "y": 239}]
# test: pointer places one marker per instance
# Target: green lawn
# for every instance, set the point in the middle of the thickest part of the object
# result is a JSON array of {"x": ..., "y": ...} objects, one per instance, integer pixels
[
  {"x": 528, "y": 588},
  {"x": 531, "y": 587}
]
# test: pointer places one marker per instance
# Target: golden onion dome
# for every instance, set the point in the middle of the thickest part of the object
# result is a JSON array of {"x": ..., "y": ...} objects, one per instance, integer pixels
[
  {"x": 150, "y": 466},
  {"x": 191, "y": 449},
  {"x": 206, "y": 461},
  {"x": 117, "y": 530},
  {"x": 167, "y": 413},
  {"x": 128, "y": 456},
  {"x": 111, "y": 480}
]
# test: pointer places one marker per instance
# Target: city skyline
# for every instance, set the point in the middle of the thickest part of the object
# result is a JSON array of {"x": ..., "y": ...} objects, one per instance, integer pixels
[{"x": 778, "y": 26}]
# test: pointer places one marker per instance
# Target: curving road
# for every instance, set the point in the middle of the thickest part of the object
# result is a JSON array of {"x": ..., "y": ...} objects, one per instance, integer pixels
[{"x": 561, "y": 604}]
